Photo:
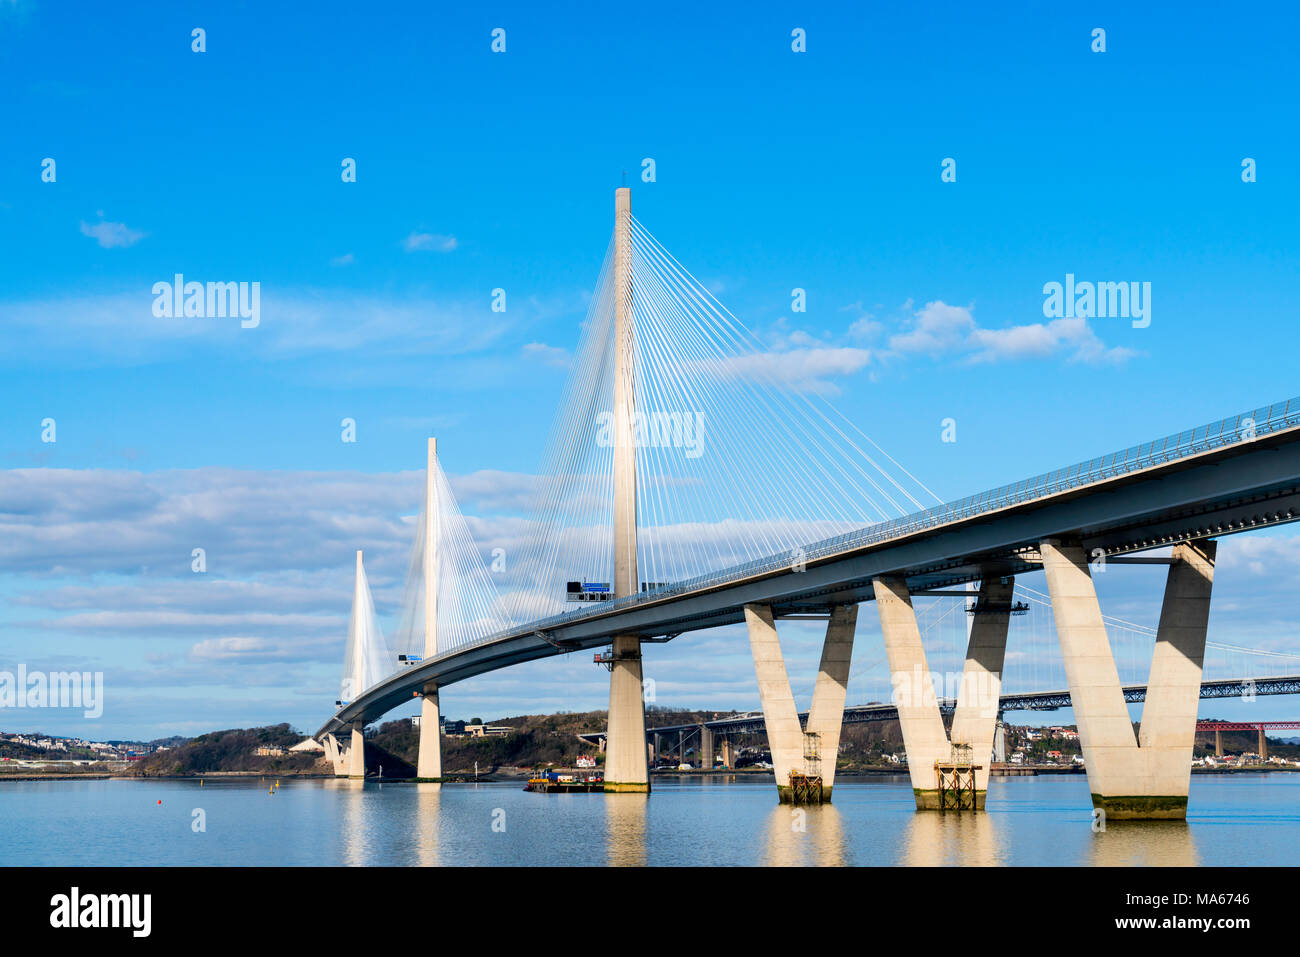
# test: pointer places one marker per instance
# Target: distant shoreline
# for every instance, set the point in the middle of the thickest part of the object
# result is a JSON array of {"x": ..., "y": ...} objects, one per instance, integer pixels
[{"x": 517, "y": 774}]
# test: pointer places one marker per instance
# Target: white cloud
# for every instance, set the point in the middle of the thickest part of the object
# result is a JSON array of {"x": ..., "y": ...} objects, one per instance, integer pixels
[
  {"x": 1072, "y": 337},
  {"x": 347, "y": 259},
  {"x": 1275, "y": 557},
  {"x": 805, "y": 362},
  {"x": 552, "y": 356},
  {"x": 418, "y": 242},
  {"x": 865, "y": 329},
  {"x": 806, "y": 369},
  {"x": 236, "y": 649},
  {"x": 795, "y": 358},
  {"x": 935, "y": 328},
  {"x": 111, "y": 235},
  {"x": 121, "y": 327},
  {"x": 938, "y": 329}
]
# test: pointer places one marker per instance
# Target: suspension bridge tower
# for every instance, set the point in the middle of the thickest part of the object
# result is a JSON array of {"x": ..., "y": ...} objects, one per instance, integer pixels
[
  {"x": 625, "y": 760},
  {"x": 429, "y": 765}
]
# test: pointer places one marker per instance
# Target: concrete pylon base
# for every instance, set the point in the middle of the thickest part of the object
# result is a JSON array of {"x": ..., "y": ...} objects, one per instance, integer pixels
[
  {"x": 626, "y": 759},
  {"x": 785, "y": 794},
  {"x": 357, "y": 754},
  {"x": 929, "y": 800},
  {"x": 1143, "y": 807},
  {"x": 429, "y": 763}
]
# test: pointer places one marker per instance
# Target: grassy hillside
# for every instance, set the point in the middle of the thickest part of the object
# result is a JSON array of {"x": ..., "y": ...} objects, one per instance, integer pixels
[
  {"x": 552, "y": 739},
  {"x": 231, "y": 750}
]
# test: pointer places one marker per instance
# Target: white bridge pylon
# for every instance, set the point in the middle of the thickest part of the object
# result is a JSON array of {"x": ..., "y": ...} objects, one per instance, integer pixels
[
  {"x": 367, "y": 659},
  {"x": 685, "y": 443},
  {"x": 449, "y": 602},
  {"x": 738, "y": 454}
]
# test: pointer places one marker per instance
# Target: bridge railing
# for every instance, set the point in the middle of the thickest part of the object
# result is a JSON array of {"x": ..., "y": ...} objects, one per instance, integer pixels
[{"x": 1235, "y": 429}]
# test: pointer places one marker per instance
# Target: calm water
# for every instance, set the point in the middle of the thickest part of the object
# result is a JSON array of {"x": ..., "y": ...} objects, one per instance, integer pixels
[{"x": 1241, "y": 819}]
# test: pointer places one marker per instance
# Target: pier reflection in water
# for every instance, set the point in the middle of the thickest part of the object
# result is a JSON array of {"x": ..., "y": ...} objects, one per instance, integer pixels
[
  {"x": 953, "y": 837},
  {"x": 804, "y": 836},
  {"x": 1145, "y": 844},
  {"x": 352, "y": 801},
  {"x": 427, "y": 822},
  {"x": 625, "y": 828}
]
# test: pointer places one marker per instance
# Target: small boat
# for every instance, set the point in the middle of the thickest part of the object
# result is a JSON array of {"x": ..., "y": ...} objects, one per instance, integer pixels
[{"x": 564, "y": 782}]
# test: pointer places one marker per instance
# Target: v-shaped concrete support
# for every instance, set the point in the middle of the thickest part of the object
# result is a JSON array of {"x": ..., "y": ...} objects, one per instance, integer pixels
[
  {"x": 1131, "y": 777},
  {"x": 357, "y": 753},
  {"x": 785, "y": 737},
  {"x": 975, "y": 720},
  {"x": 336, "y": 755}
]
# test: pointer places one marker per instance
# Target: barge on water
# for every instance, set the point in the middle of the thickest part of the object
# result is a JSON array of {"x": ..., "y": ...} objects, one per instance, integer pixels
[{"x": 564, "y": 782}]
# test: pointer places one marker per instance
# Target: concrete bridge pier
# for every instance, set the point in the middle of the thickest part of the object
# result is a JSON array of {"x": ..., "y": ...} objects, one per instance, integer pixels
[
  {"x": 728, "y": 754},
  {"x": 706, "y": 749},
  {"x": 1147, "y": 776},
  {"x": 357, "y": 753},
  {"x": 975, "y": 721},
  {"x": 786, "y": 739},
  {"x": 1000, "y": 741},
  {"x": 335, "y": 754},
  {"x": 429, "y": 763},
  {"x": 625, "y": 757}
]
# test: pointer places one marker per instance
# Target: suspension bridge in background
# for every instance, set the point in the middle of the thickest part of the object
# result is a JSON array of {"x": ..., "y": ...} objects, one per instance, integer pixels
[{"x": 693, "y": 478}]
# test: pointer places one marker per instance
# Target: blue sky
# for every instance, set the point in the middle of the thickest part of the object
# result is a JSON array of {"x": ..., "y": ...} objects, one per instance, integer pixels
[{"x": 475, "y": 171}]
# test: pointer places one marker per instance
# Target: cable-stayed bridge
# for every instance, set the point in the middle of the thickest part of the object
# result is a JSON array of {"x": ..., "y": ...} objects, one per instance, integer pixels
[{"x": 691, "y": 480}]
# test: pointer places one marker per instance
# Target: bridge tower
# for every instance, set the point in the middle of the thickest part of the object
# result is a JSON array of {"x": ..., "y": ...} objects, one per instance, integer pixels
[
  {"x": 625, "y": 760},
  {"x": 429, "y": 764}
]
